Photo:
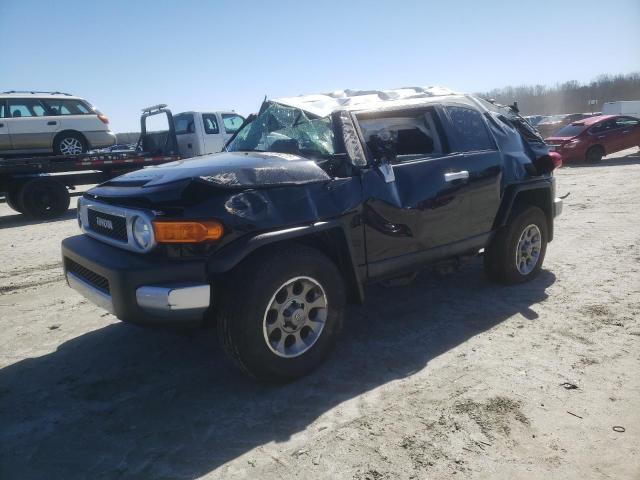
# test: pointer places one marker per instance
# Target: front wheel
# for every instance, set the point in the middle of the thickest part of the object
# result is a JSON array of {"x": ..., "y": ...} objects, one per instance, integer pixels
[
  {"x": 281, "y": 313},
  {"x": 516, "y": 253}
]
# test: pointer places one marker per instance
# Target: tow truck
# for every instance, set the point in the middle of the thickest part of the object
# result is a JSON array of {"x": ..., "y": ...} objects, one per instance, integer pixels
[{"x": 38, "y": 187}]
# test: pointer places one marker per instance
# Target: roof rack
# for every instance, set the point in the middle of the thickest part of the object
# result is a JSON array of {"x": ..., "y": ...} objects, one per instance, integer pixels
[
  {"x": 153, "y": 108},
  {"x": 36, "y": 91}
]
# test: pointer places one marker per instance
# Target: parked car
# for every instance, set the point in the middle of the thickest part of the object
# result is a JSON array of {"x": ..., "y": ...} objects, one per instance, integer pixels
[
  {"x": 554, "y": 123},
  {"x": 630, "y": 108},
  {"x": 42, "y": 122},
  {"x": 199, "y": 133},
  {"x": 315, "y": 197},
  {"x": 592, "y": 138},
  {"x": 534, "y": 120}
]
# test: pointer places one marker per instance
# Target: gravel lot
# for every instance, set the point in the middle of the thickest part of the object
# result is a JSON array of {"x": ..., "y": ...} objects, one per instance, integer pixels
[{"x": 445, "y": 376}]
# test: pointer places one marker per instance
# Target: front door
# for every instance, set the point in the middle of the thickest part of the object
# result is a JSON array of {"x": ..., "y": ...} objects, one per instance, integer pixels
[
  {"x": 441, "y": 193},
  {"x": 231, "y": 123}
]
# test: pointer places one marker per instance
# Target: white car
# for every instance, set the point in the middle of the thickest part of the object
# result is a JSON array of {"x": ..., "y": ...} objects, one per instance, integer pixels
[
  {"x": 50, "y": 122},
  {"x": 199, "y": 133}
]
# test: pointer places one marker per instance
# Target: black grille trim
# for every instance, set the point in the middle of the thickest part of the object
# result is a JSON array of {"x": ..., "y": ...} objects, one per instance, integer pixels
[
  {"x": 98, "y": 281},
  {"x": 119, "y": 230}
]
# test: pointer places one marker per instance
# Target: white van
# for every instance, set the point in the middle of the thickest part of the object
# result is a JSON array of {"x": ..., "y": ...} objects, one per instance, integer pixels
[
  {"x": 629, "y": 107},
  {"x": 199, "y": 133},
  {"x": 46, "y": 122}
]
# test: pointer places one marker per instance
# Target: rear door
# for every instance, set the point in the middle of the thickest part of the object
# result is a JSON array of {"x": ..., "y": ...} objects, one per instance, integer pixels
[
  {"x": 5, "y": 139},
  {"x": 213, "y": 136},
  {"x": 188, "y": 142},
  {"x": 442, "y": 192},
  {"x": 73, "y": 114},
  {"x": 30, "y": 126},
  {"x": 629, "y": 132}
]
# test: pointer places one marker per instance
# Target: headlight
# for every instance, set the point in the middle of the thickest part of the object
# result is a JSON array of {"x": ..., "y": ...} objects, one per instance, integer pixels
[{"x": 142, "y": 232}]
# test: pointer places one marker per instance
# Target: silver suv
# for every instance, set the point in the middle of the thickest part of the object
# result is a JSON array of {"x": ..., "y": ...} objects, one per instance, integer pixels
[{"x": 46, "y": 122}]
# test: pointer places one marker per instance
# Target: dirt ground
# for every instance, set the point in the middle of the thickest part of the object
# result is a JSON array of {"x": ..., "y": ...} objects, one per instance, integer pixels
[{"x": 445, "y": 376}]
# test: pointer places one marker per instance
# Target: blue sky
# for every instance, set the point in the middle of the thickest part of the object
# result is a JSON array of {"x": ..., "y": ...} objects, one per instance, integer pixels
[{"x": 199, "y": 55}]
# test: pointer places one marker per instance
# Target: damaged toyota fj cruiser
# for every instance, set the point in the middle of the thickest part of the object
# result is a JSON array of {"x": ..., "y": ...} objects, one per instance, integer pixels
[{"x": 314, "y": 197}]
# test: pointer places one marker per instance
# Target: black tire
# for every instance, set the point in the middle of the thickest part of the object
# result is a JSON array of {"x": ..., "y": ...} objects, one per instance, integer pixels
[
  {"x": 500, "y": 257},
  {"x": 61, "y": 147},
  {"x": 13, "y": 200},
  {"x": 44, "y": 198},
  {"x": 594, "y": 154},
  {"x": 243, "y": 311}
]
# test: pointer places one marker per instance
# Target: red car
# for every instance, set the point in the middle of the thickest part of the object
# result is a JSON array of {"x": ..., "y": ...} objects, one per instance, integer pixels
[{"x": 592, "y": 138}]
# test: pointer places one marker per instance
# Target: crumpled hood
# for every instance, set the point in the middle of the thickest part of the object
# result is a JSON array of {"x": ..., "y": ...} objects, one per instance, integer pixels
[{"x": 232, "y": 170}]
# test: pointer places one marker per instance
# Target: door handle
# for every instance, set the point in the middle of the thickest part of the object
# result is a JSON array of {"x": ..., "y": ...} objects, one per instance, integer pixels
[
  {"x": 601, "y": 137},
  {"x": 52, "y": 122},
  {"x": 450, "y": 177}
]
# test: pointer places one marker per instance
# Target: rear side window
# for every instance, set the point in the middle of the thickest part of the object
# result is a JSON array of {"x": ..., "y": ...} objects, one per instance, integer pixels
[
  {"x": 184, "y": 124},
  {"x": 232, "y": 122},
  {"x": 210, "y": 123},
  {"x": 26, "y": 107},
  {"x": 409, "y": 135},
  {"x": 626, "y": 122},
  {"x": 60, "y": 106},
  {"x": 470, "y": 131}
]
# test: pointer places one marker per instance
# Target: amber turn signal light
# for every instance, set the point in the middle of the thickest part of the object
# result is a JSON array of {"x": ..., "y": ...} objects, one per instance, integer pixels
[
  {"x": 103, "y": 119},
  {"x": 187, "y": 232}
]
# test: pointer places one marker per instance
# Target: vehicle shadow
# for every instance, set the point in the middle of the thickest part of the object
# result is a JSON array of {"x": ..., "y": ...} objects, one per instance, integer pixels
[
  {"x": 631, "y": 159},
  {"x": 20, "y": 220},
  {"x": 122, "y": 401}
]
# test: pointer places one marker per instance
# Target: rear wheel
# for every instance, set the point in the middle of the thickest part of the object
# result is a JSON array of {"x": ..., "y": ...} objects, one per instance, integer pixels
[
  {"x": 70, "y": 143},
  {"x": 44, "y": 198},
  {"x": 594, "y": 154},
  {"x": 516, "y": 253},
  {"x": 13, "y": 200},
  {"x": 281, "y": 313}
]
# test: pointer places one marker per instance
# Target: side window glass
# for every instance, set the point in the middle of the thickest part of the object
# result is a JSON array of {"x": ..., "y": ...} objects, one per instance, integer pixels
[
  {"x": 626, "y": 122},
  {"x": 26, "y": 108},
  {"x": 470, "y": 130},
  {"x": 232, "y": 122},
  {"x": 210, "y": 124},
  {"x": 2, "y": 110},
  {"x": 604, "y": 127},
  {"x": 66, "y": 107},
  {"x": 401, "y": 137},
  {"x": 184, "y": 124}
]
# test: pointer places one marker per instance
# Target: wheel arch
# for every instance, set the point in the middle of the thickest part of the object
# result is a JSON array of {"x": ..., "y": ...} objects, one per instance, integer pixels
[
  {"x": 538, "y": 194},
  {"x": 327, "y": 237}
]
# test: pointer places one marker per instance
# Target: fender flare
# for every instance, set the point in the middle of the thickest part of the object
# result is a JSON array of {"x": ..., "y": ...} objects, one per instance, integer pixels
[
  {"x": 509, "y": 199},
  {"x": 231, "y": 255}
]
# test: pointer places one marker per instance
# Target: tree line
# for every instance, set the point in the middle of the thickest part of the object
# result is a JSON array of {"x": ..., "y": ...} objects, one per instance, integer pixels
[{"x": 568, "y": 97}]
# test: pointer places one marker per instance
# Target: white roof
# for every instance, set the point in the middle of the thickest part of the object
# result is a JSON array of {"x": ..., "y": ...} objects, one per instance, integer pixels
[
  {"x": 28, "y": 94},
  {"x": 323, "y": 104}
]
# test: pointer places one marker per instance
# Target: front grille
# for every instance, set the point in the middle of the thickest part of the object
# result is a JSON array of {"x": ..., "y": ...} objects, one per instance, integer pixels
[
  {"x": 111, "y": 226},
  {"x": 87, "y": 275}
]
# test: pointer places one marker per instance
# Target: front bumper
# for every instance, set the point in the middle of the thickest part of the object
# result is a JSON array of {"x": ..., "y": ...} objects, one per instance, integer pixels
[
  {"x": 137, "y": 288},
  {"x": 557, "y": 207}
]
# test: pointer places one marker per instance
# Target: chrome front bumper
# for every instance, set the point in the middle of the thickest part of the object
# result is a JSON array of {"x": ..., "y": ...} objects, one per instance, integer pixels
[{"x": 179, "y": 301}]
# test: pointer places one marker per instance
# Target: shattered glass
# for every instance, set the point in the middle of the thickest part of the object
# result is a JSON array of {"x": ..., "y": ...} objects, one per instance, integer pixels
[{"x": 283, "y": 129}]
